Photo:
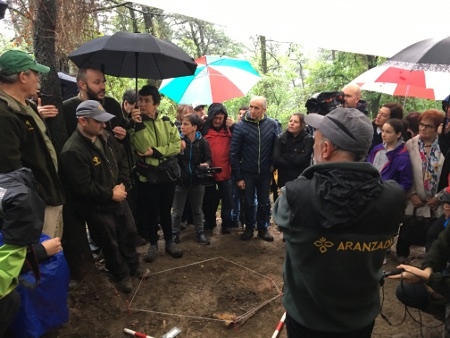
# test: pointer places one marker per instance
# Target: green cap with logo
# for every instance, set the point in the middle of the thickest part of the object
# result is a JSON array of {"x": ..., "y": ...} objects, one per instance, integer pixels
[{"x": 15, "y": 61}]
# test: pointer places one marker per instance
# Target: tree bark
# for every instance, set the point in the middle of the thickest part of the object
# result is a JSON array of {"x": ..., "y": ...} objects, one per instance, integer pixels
[
  {"x": 262, "y": 40},
  {"x": 44, "y": 39}
]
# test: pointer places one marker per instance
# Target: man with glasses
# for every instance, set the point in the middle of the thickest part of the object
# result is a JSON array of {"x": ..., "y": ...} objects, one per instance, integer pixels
[
  {"x": 25, "y": 138},
  {"x": 391, "y": 110}
]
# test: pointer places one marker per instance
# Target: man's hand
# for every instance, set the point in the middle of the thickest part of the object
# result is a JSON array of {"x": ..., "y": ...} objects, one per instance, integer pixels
[
  {"x": 136, "y": 115},
  {"x": 182, "y": 145},
  {"x": 119, "y": 133},
  {"x": 241, "y": 184},
  {"x": 119, "y": 193},
  {"x": 230, "y": 122},
  {"x": 46, "y": 111}
]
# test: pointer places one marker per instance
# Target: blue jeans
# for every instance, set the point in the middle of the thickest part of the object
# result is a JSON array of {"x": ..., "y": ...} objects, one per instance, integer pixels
[
  {"x": 195, "y": 195},
  {"x": 259, "y": 185}
]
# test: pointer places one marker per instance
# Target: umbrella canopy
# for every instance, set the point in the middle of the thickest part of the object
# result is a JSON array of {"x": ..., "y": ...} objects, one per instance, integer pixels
[
  {"x": 429, "y": 54},
  {"x": 403, "y": 82},
  {"x": 134, "y": 55},
  {"x": 217, "y": 79}
]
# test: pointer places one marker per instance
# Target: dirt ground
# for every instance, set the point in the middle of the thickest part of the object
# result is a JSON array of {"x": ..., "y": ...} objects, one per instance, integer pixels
[{"x": 228, "y": 280}]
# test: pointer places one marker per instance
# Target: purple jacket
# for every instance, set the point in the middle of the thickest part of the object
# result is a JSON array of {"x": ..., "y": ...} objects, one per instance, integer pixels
[{"x": 398, "y": 167}]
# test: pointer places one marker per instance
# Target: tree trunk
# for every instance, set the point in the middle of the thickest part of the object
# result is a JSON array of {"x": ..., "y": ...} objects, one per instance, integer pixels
[
  {"x": 262, "y": 40},
  {"x": 44, "y": 49}
]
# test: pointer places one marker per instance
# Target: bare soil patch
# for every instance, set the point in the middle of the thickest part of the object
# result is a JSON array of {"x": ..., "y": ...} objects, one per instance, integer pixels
[{"x": 229, "y": 280}]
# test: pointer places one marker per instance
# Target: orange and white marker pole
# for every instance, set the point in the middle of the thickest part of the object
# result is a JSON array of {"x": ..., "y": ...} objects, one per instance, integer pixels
[
  {"x": 136, "y": 334},
  {"x": 279, "y": 326}
]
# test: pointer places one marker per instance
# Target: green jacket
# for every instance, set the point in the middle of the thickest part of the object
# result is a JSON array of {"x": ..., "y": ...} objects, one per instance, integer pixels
[
  {"x": 12, "y": 258},
  {"x": 159, "y": 134}
]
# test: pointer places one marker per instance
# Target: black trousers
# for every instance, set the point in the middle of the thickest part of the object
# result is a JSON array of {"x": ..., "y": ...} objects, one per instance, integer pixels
[
  {"x": 156, "y": 202},
  {"x": 9, "y": 306},
  {"x": 295, "y": 330},
  {"x": 115, "y": 233}
]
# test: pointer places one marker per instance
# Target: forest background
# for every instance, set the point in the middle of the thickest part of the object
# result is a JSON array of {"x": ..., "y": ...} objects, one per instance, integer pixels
[{"x": 51, "y": 29}]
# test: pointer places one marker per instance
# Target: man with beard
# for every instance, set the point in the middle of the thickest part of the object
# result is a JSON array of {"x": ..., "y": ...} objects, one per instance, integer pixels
[
  {"x": 338, "y": 218},
  {"x": 91, "y": 85}
]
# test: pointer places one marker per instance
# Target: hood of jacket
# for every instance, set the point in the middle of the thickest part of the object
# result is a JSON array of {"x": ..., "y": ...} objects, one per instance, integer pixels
[
  {"x": 213, "y": 110},
  {"x": 344, "y": 191}
]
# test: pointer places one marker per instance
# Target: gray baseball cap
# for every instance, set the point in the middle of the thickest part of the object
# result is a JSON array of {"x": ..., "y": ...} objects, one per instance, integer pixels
[
  {"x": 92, "y": 108},
  {"x": 347, "y": 128}
]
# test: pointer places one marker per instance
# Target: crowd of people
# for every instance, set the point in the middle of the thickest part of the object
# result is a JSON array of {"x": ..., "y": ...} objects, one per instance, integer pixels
[{"x": 128, "y": 173}]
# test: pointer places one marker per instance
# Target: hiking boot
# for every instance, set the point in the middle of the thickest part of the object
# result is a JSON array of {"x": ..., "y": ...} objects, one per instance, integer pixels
[
  {"x": 173, "y": 250},
  {"x": 264, "y": 235},
  {"x": 151, "y": 254},
  {"x": 176, "y": 238},
  {"x": 140, "y": 272},
  {"x": 183, "y": 225},
  {"x": 124, "y": 285},
  {"x": 247, "y": 234},
  {"x": 202, "y": 239}
]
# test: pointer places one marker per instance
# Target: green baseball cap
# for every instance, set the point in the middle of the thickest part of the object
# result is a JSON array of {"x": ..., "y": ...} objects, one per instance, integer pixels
[{"x": 15, "y": 61}]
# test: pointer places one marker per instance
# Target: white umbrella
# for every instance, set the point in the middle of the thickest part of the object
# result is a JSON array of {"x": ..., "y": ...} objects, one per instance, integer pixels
[{"x": 396, "y": 81}]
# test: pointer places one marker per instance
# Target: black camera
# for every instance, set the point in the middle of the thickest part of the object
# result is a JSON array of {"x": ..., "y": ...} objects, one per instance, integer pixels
[
  {"x": 205, "y": 174},
  {"x": 323, "y": 103},
  {"x": 201, "y": 171}
]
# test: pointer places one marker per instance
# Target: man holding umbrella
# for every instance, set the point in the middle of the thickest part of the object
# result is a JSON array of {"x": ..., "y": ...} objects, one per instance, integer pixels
[{"x": 91, "y": 85}]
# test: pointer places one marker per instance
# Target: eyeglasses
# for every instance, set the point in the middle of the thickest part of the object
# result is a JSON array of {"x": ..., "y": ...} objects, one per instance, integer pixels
[{"x": 426, "y": 126}]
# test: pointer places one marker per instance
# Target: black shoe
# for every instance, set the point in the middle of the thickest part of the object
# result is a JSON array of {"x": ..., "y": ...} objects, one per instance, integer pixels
[
  {"x": 173, "y": 250},
  {"x": 247, "y": 234},
  {"x": 202, "y": 239},
  {"x": 264, "y": 234},
  {"x": 225, "y": 231},
  {"x": 124, "y": 285},
  {"x": 152, "y": 253}
]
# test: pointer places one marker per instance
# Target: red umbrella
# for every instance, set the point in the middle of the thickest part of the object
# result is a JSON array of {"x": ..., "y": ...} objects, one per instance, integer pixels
[{"x": 433, "y": 85}]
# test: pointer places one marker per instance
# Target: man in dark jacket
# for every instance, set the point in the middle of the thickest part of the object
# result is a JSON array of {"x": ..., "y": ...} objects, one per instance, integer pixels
[
  {"x": 338, "y": 218},
  {"x": 95, "y": 172},
  {"x": 26, "y": 141},
  {"x": 251, "y": 163}
]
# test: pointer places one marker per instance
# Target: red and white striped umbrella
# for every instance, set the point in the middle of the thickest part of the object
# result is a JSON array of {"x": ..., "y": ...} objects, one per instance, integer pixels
[{"x": 408, "y": 83}]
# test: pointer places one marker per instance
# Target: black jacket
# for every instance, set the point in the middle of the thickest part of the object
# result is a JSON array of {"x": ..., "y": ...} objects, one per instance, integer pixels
[
  {"x": 21, "y": 209},
  {"x": 292, "y": 155},
  {"x": 341, "y": 218},
  {"x": 22, "y": 145},
  {"x": 89, "y": 174},
  {"x": 195, "y": 153}
]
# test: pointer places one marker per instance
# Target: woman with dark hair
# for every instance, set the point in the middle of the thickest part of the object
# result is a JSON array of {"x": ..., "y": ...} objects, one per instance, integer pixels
[
  {"x": 157, "y": 142},
  {"x": 426, "y": 161},
  {"x": 390, "y": 110},
  {"x": 412, "y": 121},
  {"x": 292, "y": 150},
  {"x": 195, "y": 158},
  {"x": 391, "y": 157}
]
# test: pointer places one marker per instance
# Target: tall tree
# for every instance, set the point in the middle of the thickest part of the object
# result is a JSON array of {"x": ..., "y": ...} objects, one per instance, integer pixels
[{"x": 44, "y": 39}]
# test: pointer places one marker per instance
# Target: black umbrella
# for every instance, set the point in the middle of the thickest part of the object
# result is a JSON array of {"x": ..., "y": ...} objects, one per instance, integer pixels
[
  {"x": 134, "y": 55},
  {"x": 430, "y": 54}
]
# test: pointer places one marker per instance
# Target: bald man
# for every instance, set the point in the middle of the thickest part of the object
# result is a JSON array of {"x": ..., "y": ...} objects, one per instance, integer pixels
[{"x": 352, "y": 94}]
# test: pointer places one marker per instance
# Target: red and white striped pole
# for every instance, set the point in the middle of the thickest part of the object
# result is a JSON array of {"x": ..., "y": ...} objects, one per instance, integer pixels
[
  {"x": 136, "y": 334},
  {"x": 279, "y": 326}
]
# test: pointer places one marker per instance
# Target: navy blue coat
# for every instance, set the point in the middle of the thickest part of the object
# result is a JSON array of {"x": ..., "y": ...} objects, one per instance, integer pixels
[{"x": 252, "y": 146}]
